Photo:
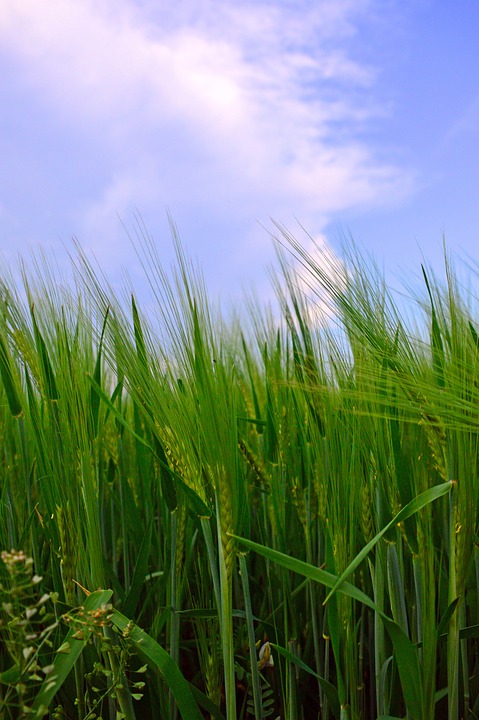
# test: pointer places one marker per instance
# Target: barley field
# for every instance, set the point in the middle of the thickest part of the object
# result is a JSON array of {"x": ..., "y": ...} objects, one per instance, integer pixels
[{"x": 268, "y": 515}]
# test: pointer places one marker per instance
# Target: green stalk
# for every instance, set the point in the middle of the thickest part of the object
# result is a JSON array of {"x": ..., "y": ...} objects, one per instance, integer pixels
[
  {"x": 293, "y": 678},
  {"x": 453, "y": 632},
  {"x": 397, "y": 592},
  {"x": 255, "y": 682},
  {"x": 123, "y": 514},
  {"x": 327, "y": 655},
  {"x": 464, "y": 663},
  {"x": 226, "y": 628},
  {"x": 121, "y": 690},
  {"x": 28, "y": 485},
  {"x": 175, "y": 618},
  {"x": 210, "y": 549},
  {"x": 312, "y": 599},
  {"x": 379, "y": 633}
]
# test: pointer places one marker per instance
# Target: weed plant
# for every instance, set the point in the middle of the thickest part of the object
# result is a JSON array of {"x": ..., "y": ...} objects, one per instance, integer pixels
[{"x": 273, "y": 516}]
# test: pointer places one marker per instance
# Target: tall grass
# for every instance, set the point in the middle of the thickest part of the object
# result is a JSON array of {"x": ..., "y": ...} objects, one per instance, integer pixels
[{"x": 270, "y": 516}]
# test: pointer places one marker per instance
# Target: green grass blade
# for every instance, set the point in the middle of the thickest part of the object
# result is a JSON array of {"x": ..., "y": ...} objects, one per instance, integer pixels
[
  {"x": 97, "y": 377},
  {"x": 436, "y": 337},
  {"x": 444, "y": 621},
  {"x": 309, "y": 571},
  {"x": 329, "y": 690},
  {"x": 114, "y": 410},
  {"x": 139, "y": 573},
  {"x": 255, "y": 682},
  {"x": 474, "y": 335},
  {"x": 166, "y": 479},
  {"x": 139, "y": 336},
  {"x": 194, "y": 500},
  {"x": 397, "y": 592},
  {"x": 49, "y": 382},
  {"x": 406, "y": 656},
  {"x": 411, "y": 508},
  {"x": 6, "y": 372},
  {"x": 405, "y": 652},
  {"x": 336, "y": 633},
  {"x": 204, "y": 702}
]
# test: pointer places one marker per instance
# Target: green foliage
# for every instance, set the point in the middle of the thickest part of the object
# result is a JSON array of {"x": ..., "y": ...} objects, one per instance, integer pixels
[{"x": 274, "y": 516}]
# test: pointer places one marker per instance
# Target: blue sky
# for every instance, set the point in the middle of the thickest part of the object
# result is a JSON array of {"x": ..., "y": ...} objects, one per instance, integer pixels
[{"x": 350, "y": 117}]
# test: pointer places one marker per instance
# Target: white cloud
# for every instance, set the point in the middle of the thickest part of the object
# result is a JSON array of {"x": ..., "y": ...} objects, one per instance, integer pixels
[{"x": 245, "y": 108}]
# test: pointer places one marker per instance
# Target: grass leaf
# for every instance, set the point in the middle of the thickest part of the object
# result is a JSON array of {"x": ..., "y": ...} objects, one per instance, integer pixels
[{"x": 411, "y": 508}]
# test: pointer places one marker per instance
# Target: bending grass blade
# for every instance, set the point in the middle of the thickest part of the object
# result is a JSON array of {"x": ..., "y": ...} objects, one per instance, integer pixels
[
  {"x": 411, "y": 508},
  {"x": 449, "y": 612},
  {"x": 329, "y": 690},
  {"x": 405, "y": 652},
  {"x": 194, "y": 500},
  {"x": 205, "y": 702}
]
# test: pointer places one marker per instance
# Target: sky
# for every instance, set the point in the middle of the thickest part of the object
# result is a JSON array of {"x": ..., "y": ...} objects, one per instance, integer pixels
[{"x": 333, "y": 118}]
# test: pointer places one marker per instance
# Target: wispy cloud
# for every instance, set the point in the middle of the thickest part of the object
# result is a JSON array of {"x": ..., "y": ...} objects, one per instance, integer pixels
[{"x": 238, "y": 109}]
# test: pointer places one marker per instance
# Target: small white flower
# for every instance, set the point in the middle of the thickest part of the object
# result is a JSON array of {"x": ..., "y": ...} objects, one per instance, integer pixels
[{"x": 265, "y": 656}]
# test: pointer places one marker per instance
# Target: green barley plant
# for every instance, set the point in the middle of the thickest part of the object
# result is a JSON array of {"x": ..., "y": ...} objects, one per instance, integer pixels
[{"x": 271, "y": 514}]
